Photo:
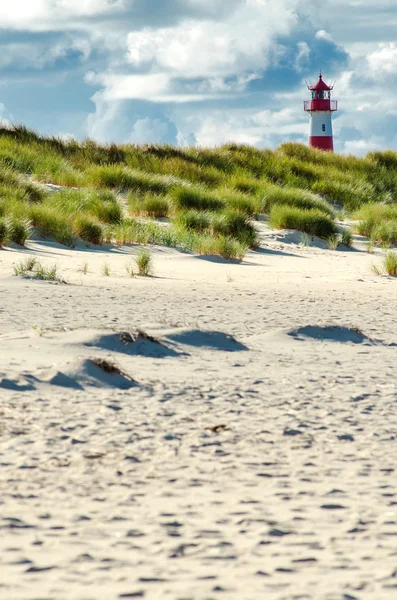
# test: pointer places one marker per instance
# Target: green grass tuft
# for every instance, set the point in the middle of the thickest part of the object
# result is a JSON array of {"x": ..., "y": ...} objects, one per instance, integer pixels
[
  {"x": 33, "y": 268},
  {"x": 333, "y": 241},
  {"x": 88, "y": 230},
  {"x": 347, "y": 237},
  {"x": 189, "y": 198},
  {"x": 150, "y": 205},
  {"x": 313, "y": 222},
  {"x": 388, "y": 265},
  {"x": 294, "y": 197},
  {"x": 18, "y": 230},
  {"x": 144, "y": 262}
]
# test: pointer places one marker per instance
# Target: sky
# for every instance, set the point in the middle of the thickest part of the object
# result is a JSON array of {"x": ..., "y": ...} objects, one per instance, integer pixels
[{"x": 199, "y": 72}]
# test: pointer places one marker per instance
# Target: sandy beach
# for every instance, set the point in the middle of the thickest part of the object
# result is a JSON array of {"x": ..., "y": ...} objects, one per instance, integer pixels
[{"x": 218, "y": 430}]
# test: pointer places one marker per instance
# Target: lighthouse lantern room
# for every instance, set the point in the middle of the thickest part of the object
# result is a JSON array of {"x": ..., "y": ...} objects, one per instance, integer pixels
[{"x": 320, "y": 108}]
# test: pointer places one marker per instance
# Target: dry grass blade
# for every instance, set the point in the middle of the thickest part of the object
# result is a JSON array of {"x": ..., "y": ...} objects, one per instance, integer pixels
[{"x": 111, "y": 368}]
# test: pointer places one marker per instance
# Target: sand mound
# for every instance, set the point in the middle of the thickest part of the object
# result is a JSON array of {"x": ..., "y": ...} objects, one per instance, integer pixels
[
  {"x": 330, "y": 333},
  {"x": 132, "y": 343},
  {"x": 80, "y": 374},
  {"x": 214, "y": 340}
]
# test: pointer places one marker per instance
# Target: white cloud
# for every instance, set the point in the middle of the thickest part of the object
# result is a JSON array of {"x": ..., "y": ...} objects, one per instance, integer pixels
[
  {"x": 44, "y": 15},
  {"x": 101, "y": 125},
  {"x": 155, "y": 131},
  {"x": 384, "y": 59},
  {"x": 361, "y": 147},
  {"x": 5, "y": 116},
  {"x": 199, "y": 60},
  {"x": 38, "y": 55},
  {"x": 303, "y": 56},
  {"x": 205, "y": 51},
  {"x": 241, "y": 42},
  {"x": 157, "y": 87},
  {"x": 324, "y": 35},
  {"x": 263, "y": 128}
]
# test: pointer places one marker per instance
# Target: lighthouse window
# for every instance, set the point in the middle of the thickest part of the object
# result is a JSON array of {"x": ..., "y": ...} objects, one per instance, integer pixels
[{"x": 323, "y": 127}]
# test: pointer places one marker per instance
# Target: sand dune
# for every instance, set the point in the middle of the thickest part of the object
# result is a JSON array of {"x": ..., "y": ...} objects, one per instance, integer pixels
[{"x": 217, "y": 431}]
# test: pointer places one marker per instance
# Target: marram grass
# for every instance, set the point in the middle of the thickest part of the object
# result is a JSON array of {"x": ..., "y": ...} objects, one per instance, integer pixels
[
  {"x": 199, "y": 190},
  {"x": 313, "y": 222}
]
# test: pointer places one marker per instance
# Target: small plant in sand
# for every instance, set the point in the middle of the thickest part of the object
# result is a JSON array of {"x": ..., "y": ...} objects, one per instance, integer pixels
[
  {"x": 84, "y": 268},
  {"x": 106, "y": 270},
  {"x": 305, "y": 239},
  {"x": 39, "y": 330},
  {"x": 385, "y": 245},
  {"x": 229, "y": 278},
  {"x": 18, "y": 230},
  {"x": 370, "y": 247},
  {"x": 31, "y": 267},
  {"x": 25, "y": 267},
  {"x": 46, "y": 273},
  {"x": 129, "y": 267},
  {"x": 347, "y": 237},
  {"x": 333, "y": 242},
  {"x": 388, "y": 265},
  {"x": 144, "y": 262}
]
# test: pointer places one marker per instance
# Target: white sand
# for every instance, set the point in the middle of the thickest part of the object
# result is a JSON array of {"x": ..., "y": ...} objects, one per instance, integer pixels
[{"x": 204, "y": 467}]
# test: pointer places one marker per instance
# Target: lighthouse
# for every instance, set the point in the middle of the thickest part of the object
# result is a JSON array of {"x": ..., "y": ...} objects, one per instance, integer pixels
[{"x": 320, "y": 109}]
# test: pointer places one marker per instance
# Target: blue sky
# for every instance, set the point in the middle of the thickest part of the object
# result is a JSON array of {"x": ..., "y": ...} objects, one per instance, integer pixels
[{"x": 199, "y": 72}]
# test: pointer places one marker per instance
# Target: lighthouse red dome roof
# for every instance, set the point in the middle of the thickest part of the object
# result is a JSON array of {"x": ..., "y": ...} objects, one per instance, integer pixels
[{"x": 320, "y": 85}]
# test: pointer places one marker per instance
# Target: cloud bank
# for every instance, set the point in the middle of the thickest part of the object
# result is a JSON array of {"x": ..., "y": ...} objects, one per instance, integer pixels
[{"x": 198, "y": 71}]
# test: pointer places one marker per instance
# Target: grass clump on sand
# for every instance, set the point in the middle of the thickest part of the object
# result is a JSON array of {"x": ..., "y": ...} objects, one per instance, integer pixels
[
  {"x": 33, "y": 268},
  {"x": 25, "y": 267},
  {"x": 346, "y": 237},
  {"x": 101, "y": 205},
  {"x": 18, "y": 230},
  {"x": 122, "y": 178},
  {"x": 305, "y": 239},
  {"x": 144, "y": 262},
  {"x": 294, "y": 197},
  {"x": 226, "y": 224},
  {"x": 234, "y": 224},
  {"x": 333, "y": 242},
  {"x": 388, "y": 265},
  {"x": 383, "y": 233},
  {"x": 313, "y": 222},
  {"x": 223, "y": 246},
  {"x": 49, "y": 223},
  {"x": 189, "y": 198},
  {"x": 150, "y": 205},
  {"x": 88, "y": 230}
]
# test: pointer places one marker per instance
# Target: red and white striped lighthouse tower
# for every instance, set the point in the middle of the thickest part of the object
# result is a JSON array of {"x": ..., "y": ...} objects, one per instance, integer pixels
[{"x": 320, "y": 108}]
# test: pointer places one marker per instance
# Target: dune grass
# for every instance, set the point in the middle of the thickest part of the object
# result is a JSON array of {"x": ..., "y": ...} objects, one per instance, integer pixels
[
  {"x": 388, "y": 265},
  {"x": 144, "y": 262},
  {"x": 295, "y": 197},
  {"x": 150, "y": 205},
  {"x": 211, "y": 197},
  {"x": 347, "y": 237},
  {"x": 312, "y": 222},
  {"x": 33, "y": 268}
]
